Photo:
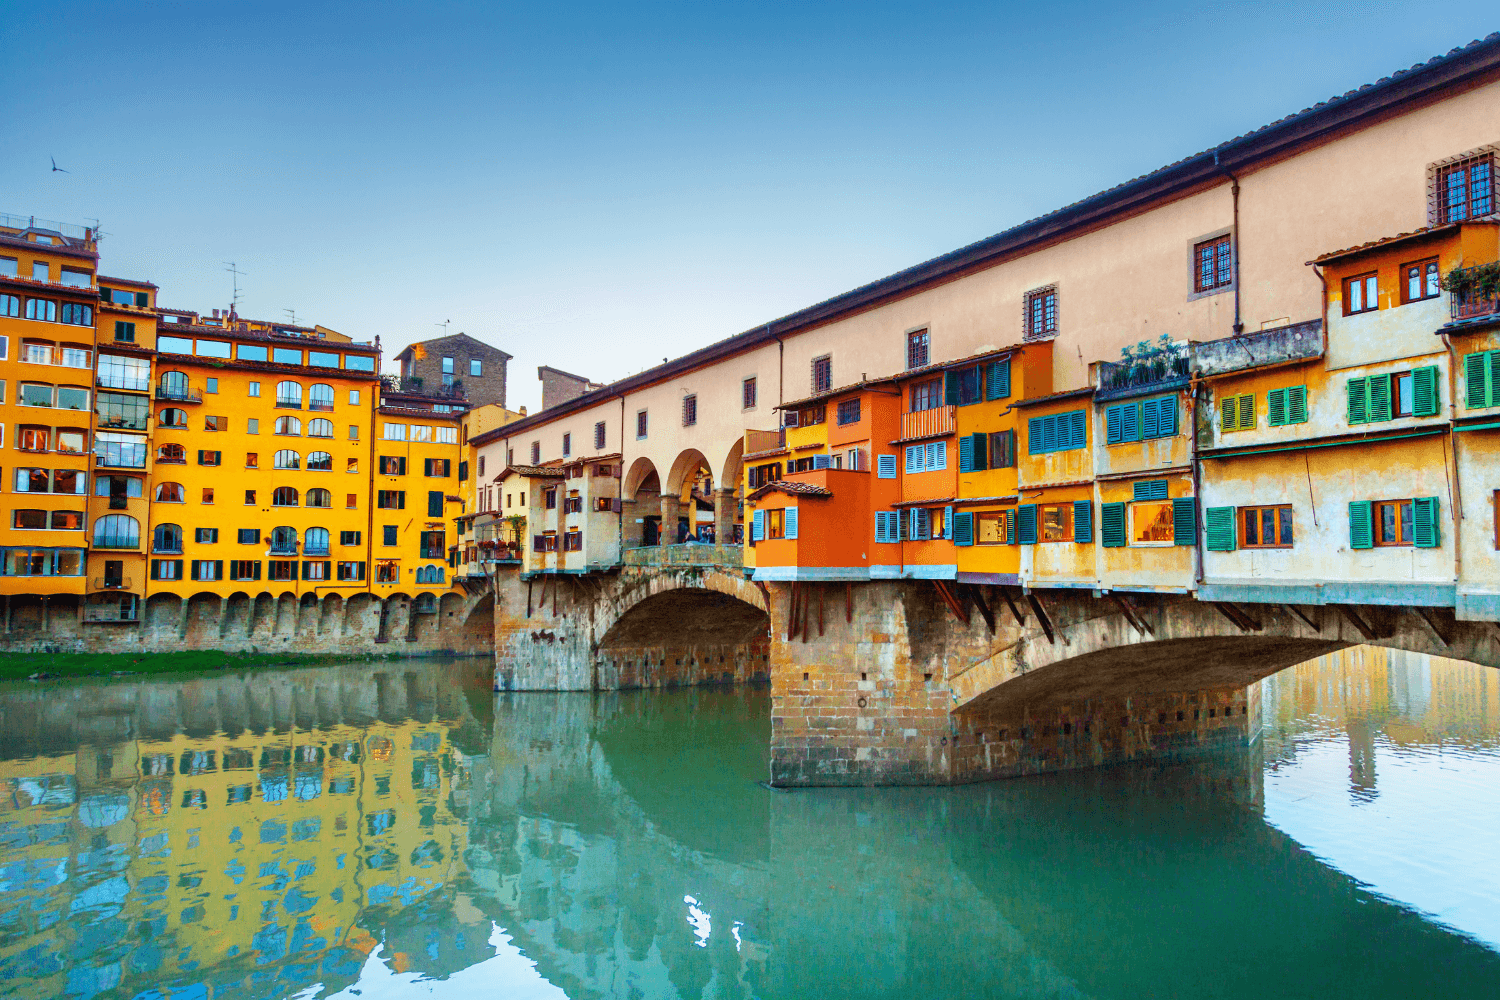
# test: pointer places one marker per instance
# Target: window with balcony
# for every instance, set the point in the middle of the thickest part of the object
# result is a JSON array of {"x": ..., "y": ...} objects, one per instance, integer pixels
[
  {"x": 283, "y": 540},
  {"x": 117, "y": 531},
  {"x": 124, "y": 373},
  {"x": 319, "y": 397},
  {"x": 167, "y": 538},
  {"x": 289, "y": 394},
  {"x": 315, "y": 542}
]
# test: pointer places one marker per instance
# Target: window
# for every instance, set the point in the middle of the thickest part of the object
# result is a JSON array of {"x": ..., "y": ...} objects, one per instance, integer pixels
[
  {"x": 434, "y": 503},
  {"x": 10, "y": 305},
  {"x": 319, "y": 461},
  {"x": 287, "y": 460},
  {"x": 215, "y": 423},
  {"x": 1420, "y": 281},
  {"x": 248, "y": 536},
  {"x": 1482, "y": 379},
  {"x": 283, "y": 496},
  {"x": 117, "y": 531},
  {"x": 124, "y": 373},
  {"x": 289, "y": 394},
  {"x": 122, "y": 451},
  {"x": 640, "y": 426},
  {"x": 1286, "y": 406},
  {"x": 70, "y": 442},
  {"x": 446, "y": 435},
  {"x": 166, "y": 538},
  {"x": 36, "y": 439},
  {"x": 388, "y": 534},
  {"x": 319, "y": 498},
  {"x": 170, "y": 417},
  {"x": 1002, "y": 449},
  {"x": 387, "y": 571},
  {"x": 252, "y": 425},
  {"x": 44, "y": 310},
  {"x": 1152, "y": 523},
  {"x": 353, "y": 432},
  {"x": 1056, "y": 432},
  {"x": 170, "y": 493},
  {"x": 476, "y": 368},
  {"x": 392, "y": 465},
  {"x": 995, "y": 527},
  {"x": 250, "y": 498},
  {"x": 437, "y": 468},
  {"x": 41, "y": 271},
  {"x": 1213, "y": 264},
  {"x": 1374, "y": 398},
  {"x": 315, "y": 542},
  {"x": 433, "y": 544},
  {"x": 536, "y": 452},
  {"x": 283, "y": 540},
  {"x": 394, "y": 432},
  {"x": 390, "y": 499},
  {"x": 166, "y": 569},
  {"x": 421, "y": 432},
  {"x": 208, "y": 569},
  {"x": 319, "y": 428},
  {"x": 209, "y": 457},
  {"x": 118, "y": 411},
  {"x": 288, "y": 426},
  {"x": 351, "y": 501},
  {"x": 350, "y": 572},
  {"x": 350, "y": 537},
  {"x": 1361, "y": 294},
  {"x": 1384, "y": 523},
  {"x": 926, "y": 395},
  {"x": 35, "y": 395},
  {"x": 747, "y": 394},
  {"x": 1041, "y": 313},
  {"x": 689, "y": 411},
  {"x": 822, "y": 373},
  {"x": 320, "y": 397},
  {"x": 1266, "y": 527},
  {"x": 928, "y": 457},
  {"x": 1393, "y": 522},
  {"x": 1237, "y": 413},
  {"x": 567, "y": 445},
  {"x": 76, "y": 314},
  {"x": 286, "y": 356},
  {"x": 29, "y": 519},
  {"x": 481, "y": 465},
  {"x": 1466, "y": 190},
  {"x": 208, "y": 494},
  {"x": 244, "y": 569},
  {"x": 124, "y": 332},
  {"x": 549, "y": 499},
  {"x": 284, "y": 570},
  {"x": 848, "y": 412},
  {"x": 254, "y": 388},
  {"x": 916, "y": 349},
  {"x": 1056, "y": 520}
]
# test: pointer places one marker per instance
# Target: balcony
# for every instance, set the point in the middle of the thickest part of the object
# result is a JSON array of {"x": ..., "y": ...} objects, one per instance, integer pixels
[
  {"x": 179, "y": 394},
  {"x": 123, "y": 609},
  {"x": 764, "y": 442},
  {"x": 117, "y": 542},
  {"x": 110, "y": 583},
  {"x": 1475, "y": 291},
  {"x": 928, "y": 423},
  {"x": 1296, "y": 342},
  {"x": 1145, "y": 368}
]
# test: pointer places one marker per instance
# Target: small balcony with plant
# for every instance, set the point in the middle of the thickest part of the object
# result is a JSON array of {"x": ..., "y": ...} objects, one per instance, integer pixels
[
  {"x": 1474, "y": 291},
  {"x": 1146, "y": 367}
]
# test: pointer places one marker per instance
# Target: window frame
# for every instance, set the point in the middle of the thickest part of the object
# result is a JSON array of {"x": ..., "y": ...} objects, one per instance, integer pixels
[
  {"x": 1131, "y": 538},
  {"x": 822, "y": 373},
  {"x": 1377, "y": 524},
  {"x": 1279, "y": 510},
  {"x": 918, "y": 348},
  {"x": 1444, "y": 206},
  {"x": 1039, "y": 325},
  {"x": 1066, "y": 506},
  {"x": 1434, "y": 284},
  {"x": 748, "y": 393},
  {"x": 1220, "y": 245},
  {"x": 1362, "y": 280}
]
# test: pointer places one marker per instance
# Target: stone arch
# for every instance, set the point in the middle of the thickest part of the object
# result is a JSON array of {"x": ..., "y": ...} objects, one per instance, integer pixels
[
  {"x": 642, "y": 475},
  {"x": 237, "y": 615},
  {"x": 331, "y": 615},
  {"x": 202, "y": 613},
  {"x": 163, "y": 611},
  {"x": 684, "y": 470},
  {"x": 732, "y": 471},
  {"x": 263, "y": 614},
  {"x": 478, "y": 628},
  {"x": 361, "y": 616}
]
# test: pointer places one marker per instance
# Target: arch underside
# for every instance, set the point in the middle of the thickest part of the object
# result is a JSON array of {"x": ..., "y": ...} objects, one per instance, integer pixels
[{"x": 687, "y": 617}]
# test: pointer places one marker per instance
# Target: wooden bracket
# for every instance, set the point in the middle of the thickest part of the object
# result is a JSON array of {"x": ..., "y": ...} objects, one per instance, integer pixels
[
  {"x": 1426, "y": 617},
  {"x": 1238, "y": 618},
  {"x": 949, "y": 599},
  {"x": 1136, "y": 622},
  {"x": 791, "y": 614},
  {"x": 528, "y": 598},
  {"x": 1307, "y": 620},
  {"x": 820, "y": 611},
  {"x": 1041, "y": 617},
  {"x": 1352, "y": 615},
  {"x": 1014, "y": 611},
  {"x": 979, "y": 602}
]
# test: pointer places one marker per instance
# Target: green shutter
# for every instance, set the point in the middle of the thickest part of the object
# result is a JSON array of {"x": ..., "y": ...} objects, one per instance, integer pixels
[
  {"x": 1361, "y": 528},
  {"x": 1219, "y": 525},
  {"x": 1150, "y": 489},
  {"x": 1380, "y": 397},
  {"x": 1184, "y": 520},
  {"x": 1083, "y": 522},
  {"x": 997, "y": 386},
  {"x": 1112, "y": 525},
  {"x": 1276, "y": 407},
  {"x": 1424, "y": 519},
  {"x": 1359, "y": 401},
  {"x": 965, "y": 454},
  {"x": 1247, "y": 412},
  {"x": 1112, "y": 425},
  {"x": 981, "y": 446},
  {"x": 1010, "y": 527},
  {"x": 1026, "y": 524},
  {"x": 963, "y": 529},
  {"x": 1296, "y": 404},
  {"x": 1424, "y": 391},
  {"x": 950, "y": 388},
  {"x": 1228, "y": 420},
  {"x": 1476, "y": 381}
]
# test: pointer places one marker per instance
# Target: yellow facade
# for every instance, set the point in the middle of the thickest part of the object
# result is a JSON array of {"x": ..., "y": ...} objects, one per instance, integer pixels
[
  {"x": 261, "y": 462},
  {"x": 416, "y": 498}
]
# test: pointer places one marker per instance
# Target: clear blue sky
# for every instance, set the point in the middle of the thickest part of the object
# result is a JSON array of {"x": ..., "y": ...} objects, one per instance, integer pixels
[{"x": 597, "y": 188}]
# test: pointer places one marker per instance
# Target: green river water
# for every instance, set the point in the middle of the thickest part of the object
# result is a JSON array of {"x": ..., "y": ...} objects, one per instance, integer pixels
[{"x": 396, "y": 830}]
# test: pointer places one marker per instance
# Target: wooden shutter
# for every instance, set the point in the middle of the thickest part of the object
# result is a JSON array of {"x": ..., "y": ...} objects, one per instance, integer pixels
[
  {"x": 1424, "y": 391},
  {"x": 947, "y": 523},
  {"x": 1112, "y": 525},
  {"x": 1114, "y": 426},
  {"x": 950, "y": 388},
  {"x": 1424, "y": 519},
  {"x": 1476, "y": 380},
  {"x": 1049, "y": 433},
  {"x": 1361, "y": 527},
  {"x": 885, "y": 467},
  {"x": 1228, "y": 410},
  {"x": 1083, "y": 522},
  {"x": 997, "y": 386},
  {"x": 1010, "y": 527},
  {"x": 1130, "y": 422},
  {"x": 1276, "y": 407},
  {"x": 1359, "y": 401},
  {"x": 1151, "y": 413},
  {"x": 1296, "y": 404},
  {"x": 966, "y": 454},
  {"x": 981, "y": 449},
  {"x": 1380, "y": 397},
  {"x": 1166, "y": 416},
  {"x": 1247, "y": 412},
  {"x": 1150, "y": 489},
  {"x": 914, "y": 454},
  {"x": 1034, "y": 436},
  {"x": 963, "y": 529},
  {"x": 1026, "y": 524},
  {"x": 789, "y": 523},
  {"x": 1219, "y": 527},
  {"x": 758, "y": 527},
  {"x": 1078, "y": 428},
  {"x": 1184, "y": 520}
]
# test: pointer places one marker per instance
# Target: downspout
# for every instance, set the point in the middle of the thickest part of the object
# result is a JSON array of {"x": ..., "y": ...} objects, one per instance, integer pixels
[
  {"x": 1234, "y": 240},
  {"x": 1458, "y": 496},
  {"x": 620, "y": 521},
  {"x": 1193, "y": 460}
]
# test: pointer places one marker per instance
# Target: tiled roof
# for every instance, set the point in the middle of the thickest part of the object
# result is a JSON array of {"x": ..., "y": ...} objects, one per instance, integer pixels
[
  {"x": 1087, "y": 390},
  {"x": 1386, "y": 241},
  {"x": 532, "y": 472},
  {"x": 791, "y": 489}
]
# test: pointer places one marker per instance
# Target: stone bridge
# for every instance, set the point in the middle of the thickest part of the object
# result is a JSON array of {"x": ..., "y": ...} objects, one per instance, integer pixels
[{"x": 933, "y": 682}]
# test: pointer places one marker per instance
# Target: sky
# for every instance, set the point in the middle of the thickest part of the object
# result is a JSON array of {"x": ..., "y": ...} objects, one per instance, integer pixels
[{"x": 598, "y": 187}]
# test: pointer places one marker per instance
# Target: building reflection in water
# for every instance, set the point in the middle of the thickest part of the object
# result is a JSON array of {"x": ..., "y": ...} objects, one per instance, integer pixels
[{"x": 354, "y": 829}]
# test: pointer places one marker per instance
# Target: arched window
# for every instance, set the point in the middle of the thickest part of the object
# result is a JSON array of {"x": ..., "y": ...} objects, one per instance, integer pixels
[
  {"x": 320, "y": 397},
  {"x": 429, "y": 574},
  {"x": 170, "y": 493},
  {"x": 171, "y": 454},
  {"x": 319, "y": 498},
  {"x": 166, "y": 538},
  {"x": 319, "y": 461},
  {"x": 320, "y": 428},
  {"x": 283, "y": 541},
  {"x": 289, "y": 394},
  {"x": 117, "y": 531},
  {"x": 173, "y": 385},
  {"x": 284, "y": 496},
  {"x": 289, "y": 426},
  {"x": 286, "y": 459},
  {"x": 315, "y": 542},
  {"x": 172, "y": 418}
]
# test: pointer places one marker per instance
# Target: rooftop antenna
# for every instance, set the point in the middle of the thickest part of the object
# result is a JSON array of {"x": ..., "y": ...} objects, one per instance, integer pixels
[
  {"x": 234, "y": 269},
  {"x": 444, "y": 325},
  {"x": 292, "y": 314}
]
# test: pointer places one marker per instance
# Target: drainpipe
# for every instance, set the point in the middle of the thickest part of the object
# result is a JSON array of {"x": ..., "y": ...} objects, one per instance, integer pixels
[
  {"x": 1198, "y": 530},
  {"x": 1234, "y": 240},
  {"x": 1458, "y": 497}
]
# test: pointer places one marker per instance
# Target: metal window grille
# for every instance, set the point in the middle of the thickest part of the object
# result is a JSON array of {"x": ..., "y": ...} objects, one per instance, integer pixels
[
  {"x": 916, "y": 349},
  {"x": 1041, "y": 312},
  {"x": 689, "y": 411},
  {"x": 747, "y": 394},
  {"x": 1466, "y": 190},
  {"x": 1214, "y": 265},
  {"x": 822, "y": 374}
]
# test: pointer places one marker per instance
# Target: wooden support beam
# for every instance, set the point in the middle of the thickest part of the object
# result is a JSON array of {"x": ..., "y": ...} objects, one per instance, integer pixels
[
  {"x": 1235, "y": 616},
  {"x": 1136, "y": 622},
  {"x": 1305, "y": 618},
  {"x": 1041, "y": 617},
  {"x": 1426, "y": 617},
  {"x": 1015, "y": 612},
  {"x": 806, "y": 616},
  {"x": 849, "y": 603},
  {"x": 528, "y": 598},
  {"x": 949, "y": 599},
  {"x": 984, "y": 609},
  {"x": 1352, "y": 615},
  {"x": 791, "y": 614}
]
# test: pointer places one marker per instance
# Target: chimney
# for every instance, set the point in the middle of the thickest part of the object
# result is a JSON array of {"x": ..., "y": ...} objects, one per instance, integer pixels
[{"x": 216, "y": 314}]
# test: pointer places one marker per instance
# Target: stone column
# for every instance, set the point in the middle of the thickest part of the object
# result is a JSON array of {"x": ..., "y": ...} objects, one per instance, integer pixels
[
  {"x": 670, "y": 512},
  {"x": 724, "y": 511},
  {"x": 630, "y": 527}
]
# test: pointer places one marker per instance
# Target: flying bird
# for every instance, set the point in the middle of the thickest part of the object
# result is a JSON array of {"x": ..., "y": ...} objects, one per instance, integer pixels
[{"x": 58, "y": 170}]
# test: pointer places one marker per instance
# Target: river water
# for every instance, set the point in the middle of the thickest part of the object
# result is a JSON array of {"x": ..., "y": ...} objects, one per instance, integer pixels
[{"x": 398, "y": 831}]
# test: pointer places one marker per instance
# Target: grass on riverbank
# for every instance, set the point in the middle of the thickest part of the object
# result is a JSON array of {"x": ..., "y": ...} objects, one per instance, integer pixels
[{"x": 21, "y": 666}]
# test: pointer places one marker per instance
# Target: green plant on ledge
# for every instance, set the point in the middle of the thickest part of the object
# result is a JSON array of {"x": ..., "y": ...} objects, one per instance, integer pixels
[{"x": 1479, "y": 281}]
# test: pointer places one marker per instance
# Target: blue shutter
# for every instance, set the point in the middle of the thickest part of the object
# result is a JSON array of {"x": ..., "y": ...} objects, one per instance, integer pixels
[
  {"x": 1010, "y": 527},
  {"x": 913, "y": 524},
  {"x": 885, "y": 467},
  {"x": 1083, "y": 522},
  {"x": 1151, "y": 418},
  {"x": 1184, "y": 520},
  {"x": 1050, "y": 437},
  {"x": 947, "y": 522},
  {"x": 963, "y": 529},
  {"x": 1130, "y": 424},
  {"x": 914, "y": 453},
  {"x": 937, "y": 455},
  {"x": 790, "y": 523},
  {"x": 966, "y": 454},
  {"x": 820, "y": 461},
  {"x": 1112, "y": 525},
  {"x": 997, "y": 386},
  {"x": 1026, "y": 524},
  {"x": 981, "y": 451},
  {"x": 1034, "y": 436},
  {"x": 1150, "y": 489},
  {"x": 1361, "y": 525},
  {"x": 758, "y": 527},
  {"x": 1166, "y": 416},
  {"x": 1113, "y": 425},
  {"x": 1078, "y": 436}
]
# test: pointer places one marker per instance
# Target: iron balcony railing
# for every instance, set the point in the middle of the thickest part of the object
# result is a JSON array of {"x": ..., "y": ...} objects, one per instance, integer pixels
[
  {"x": 111, "y": 583},
  {"x": 179, "y": 394}
]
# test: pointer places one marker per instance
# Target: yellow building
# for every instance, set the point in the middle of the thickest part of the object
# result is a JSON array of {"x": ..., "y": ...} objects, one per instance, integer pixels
[
  {"x": 48, "y": 302},
  {"x": 416, "y": 502},
  {"x": 261, "y": 458}
]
